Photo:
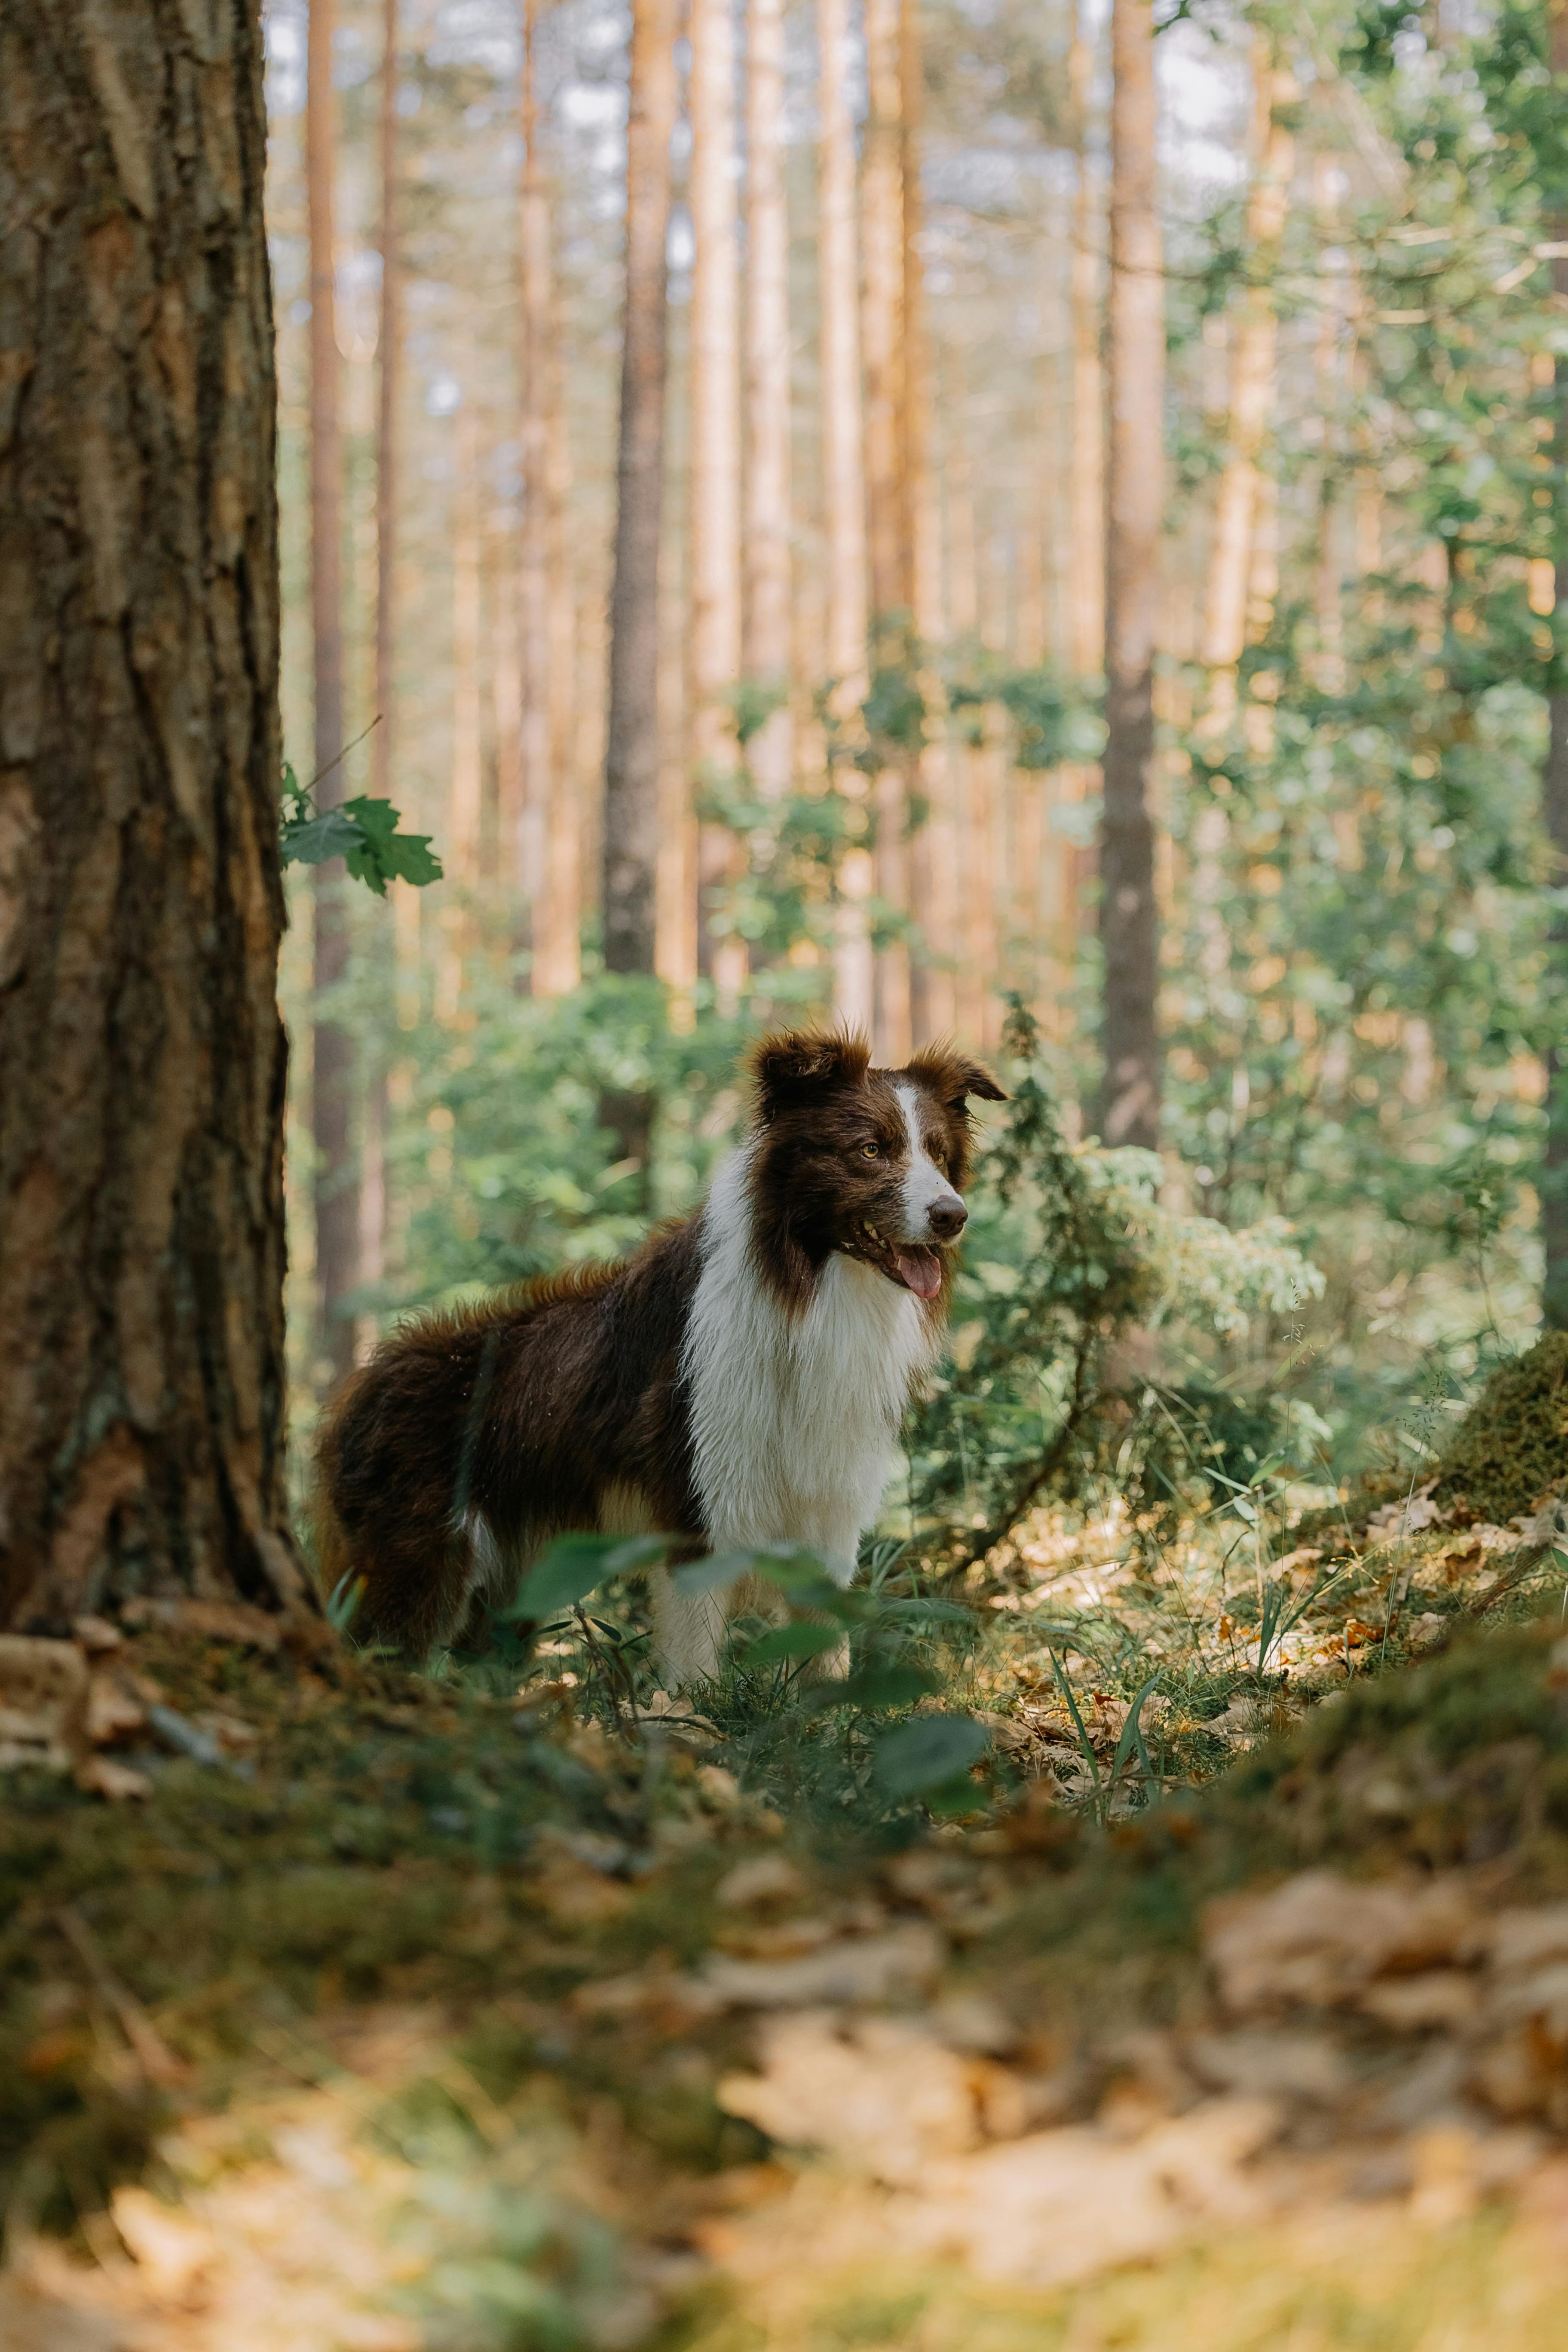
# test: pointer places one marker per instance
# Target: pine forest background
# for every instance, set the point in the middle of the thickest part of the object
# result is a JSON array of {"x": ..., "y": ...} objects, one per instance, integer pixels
[{"x": 881, "y": 619}]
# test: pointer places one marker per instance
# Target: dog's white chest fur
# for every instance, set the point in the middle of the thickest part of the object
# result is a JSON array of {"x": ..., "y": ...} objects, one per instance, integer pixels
[{"x": 794, "y": 1420}]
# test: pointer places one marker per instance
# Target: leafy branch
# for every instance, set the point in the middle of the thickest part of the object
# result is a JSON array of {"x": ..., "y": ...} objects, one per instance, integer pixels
[{"x": 362, "y": 831}]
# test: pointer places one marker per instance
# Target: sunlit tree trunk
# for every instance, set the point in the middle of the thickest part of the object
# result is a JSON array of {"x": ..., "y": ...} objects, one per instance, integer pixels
[
  {"x": 1087, "y": 457},
  {"x": 336, "y": 1187},
  {"x": 373, "y": 1203},
  {"x": 1554, "y": 814},
  {"x": 464, "y": 803},
  {"x": 632, "y": 745},
  {"x": 141, "y": 1057},
  {"x": 843, "y": 472},
  {"x": 548, "y": 798},
  {"x": 766, "y": 645},
  {"x": 631, "y": 807},
  {"x": 715, "y": 632},
  {"x": 388, "y": 453},
  {"x": 1129, "y": 1101},
  {"x": 887, "y": 480},
  {"x": 1240, "y": 504}
]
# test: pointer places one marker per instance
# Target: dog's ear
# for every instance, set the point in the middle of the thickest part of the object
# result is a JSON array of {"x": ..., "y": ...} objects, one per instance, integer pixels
[
  {"x": 953, "y": 1077},
  {"x": 798, "y": 1065}
]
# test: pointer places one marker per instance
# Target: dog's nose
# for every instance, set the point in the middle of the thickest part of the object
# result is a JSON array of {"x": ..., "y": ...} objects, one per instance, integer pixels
[{"x": 948, "y": 1219}]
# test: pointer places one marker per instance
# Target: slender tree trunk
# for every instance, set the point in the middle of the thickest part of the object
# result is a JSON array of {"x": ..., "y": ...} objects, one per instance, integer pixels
[
  {"x": 1087, "y": 457},
  {"x": 1554, "y": 815},
  {"x": 843, "y": 475},
  {"x": 766, "y": 645},
  {"x": 631, "y": 755},
  {"x": 558, "y": 946},
  {"x": 632, "y": 738},
  {"x": 546, "y": 773},
  {"x": 715, "y": 637},
  {"x": 331, "y": 1096},
  {"x": 885, "y": 159},
  {"x": 373, "y": 1201},
  {"x": 141, "y": 1057},
  {"x": 389, "y": 346},
  {"x": 1240, "y": 502},
  {"x": 1130, "y": 1102},
  {"x": 465, "y": 801}
]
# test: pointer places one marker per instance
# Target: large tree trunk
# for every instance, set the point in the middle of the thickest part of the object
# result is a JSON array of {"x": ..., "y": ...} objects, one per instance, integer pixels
[
  {"x": 715, "y": 628},
  {"x": 843, "y": 472},
  {"x": 766, "y": 644},
  {"x": 1554, "y": 815},
  {"x": 336, "y": 1187},
  {"x": 141, "y": 1058},
  {"x": 631, "y": 755},
  {"x": 1129, "y": 1101}
]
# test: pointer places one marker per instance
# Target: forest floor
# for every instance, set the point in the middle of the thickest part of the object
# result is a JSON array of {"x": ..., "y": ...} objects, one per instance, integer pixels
[{"x": 384, "y": 2013}]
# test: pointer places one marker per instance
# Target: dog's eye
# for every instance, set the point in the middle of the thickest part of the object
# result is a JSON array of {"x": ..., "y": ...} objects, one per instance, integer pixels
[{"x": 870, "y": 1151}]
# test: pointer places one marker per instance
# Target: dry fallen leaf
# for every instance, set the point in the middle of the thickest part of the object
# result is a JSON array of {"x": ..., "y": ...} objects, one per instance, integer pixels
[
  {"x": 1320, "y": 1939},
  {"x": 880, "y": 2095}
]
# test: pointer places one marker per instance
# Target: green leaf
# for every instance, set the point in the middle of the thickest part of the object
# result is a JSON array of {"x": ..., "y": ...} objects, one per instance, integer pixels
[
  {"x": 572, "y": 1567},
  {"x": 382, "y": 854},
  {"x": 926, "y": 1753},
  {"x": 312, "y": 840},
  {"x": 714, "y": 1574},
  {"x": 876, "y": 1692},
  {"x": 793, "y": 1642}
]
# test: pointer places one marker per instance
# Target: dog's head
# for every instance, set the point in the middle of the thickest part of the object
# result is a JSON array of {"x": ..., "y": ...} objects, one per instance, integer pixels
[{"x": 869, "y": 1162}]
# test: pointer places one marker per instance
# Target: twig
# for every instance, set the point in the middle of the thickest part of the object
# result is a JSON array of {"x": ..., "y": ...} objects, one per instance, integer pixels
[{"x": 153, "y": 2053}]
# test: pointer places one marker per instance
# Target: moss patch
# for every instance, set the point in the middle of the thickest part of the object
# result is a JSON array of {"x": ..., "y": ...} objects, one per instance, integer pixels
[{"x": 1511, "y": 1448}]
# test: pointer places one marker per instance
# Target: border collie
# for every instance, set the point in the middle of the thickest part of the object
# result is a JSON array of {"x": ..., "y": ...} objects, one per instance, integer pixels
[{"x": 740, "y": 1381}]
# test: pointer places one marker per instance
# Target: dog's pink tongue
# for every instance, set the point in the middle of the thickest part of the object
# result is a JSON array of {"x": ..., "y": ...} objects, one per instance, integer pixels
[{"x": 921, "y": 1271}]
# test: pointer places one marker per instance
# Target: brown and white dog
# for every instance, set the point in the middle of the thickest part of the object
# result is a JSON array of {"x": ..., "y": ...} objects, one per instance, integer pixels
[{"x": 738, "y": 1382}]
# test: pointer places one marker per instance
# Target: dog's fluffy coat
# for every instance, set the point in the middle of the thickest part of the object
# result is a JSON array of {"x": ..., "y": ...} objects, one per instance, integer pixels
[{"x": 738, "y": 1382}]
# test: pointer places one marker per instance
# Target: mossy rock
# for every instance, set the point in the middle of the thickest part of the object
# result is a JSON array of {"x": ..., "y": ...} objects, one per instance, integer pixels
[{"x": 1511, "y": 1447}]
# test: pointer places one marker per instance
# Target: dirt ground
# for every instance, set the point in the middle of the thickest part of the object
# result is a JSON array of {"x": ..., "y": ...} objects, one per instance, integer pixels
[{"x": 393, "y": 2015}]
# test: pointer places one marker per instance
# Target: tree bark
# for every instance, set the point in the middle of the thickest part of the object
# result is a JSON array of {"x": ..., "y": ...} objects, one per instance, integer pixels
[
  {"x": 715, "y": 627},
  {"x": 1130, "y": 1100},
  {"x": 765, "y": 651},
  {"x": 631, "y": 757},
  {"x": 1240, "y": 504},
  {"x": 465, "y": 807},
  {"x": 545, "y": 769},
  {"x": 141, "y": 1057},
  {"x": 843, "y": 474},
  {"x": 389, "y": 353},
  {"x": 884, "y": 164},
  {"x": 336, "y": 1182},
  {"x": 1554, "y": 816}
]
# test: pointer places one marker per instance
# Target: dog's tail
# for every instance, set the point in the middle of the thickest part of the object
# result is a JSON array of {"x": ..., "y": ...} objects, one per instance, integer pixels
[{"x": 397, "y": 1460}]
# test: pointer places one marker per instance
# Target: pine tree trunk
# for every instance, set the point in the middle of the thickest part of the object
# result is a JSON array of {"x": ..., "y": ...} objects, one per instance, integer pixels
[
  {"x": 1087, "y": 461},
  {"x": 889, "y": 538},
  {"x": 1240, "y": 502},
  {"x": 546, "y": 782},
  {"x": 715, "y": 627},
  {"x": 1129, "y": 1101},
  {"x": 373, "y": 1203},
  {"x": 336, "y": 1185},
  {"x": 843, "y": 473},
  {"x": 765, "y": 651},
  {"x": 631, "y": 753},
  {"x": 389, "y": 351},
  {"x": 141, "y": 1058},
  {"x": 1553, "y": 1187}
]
